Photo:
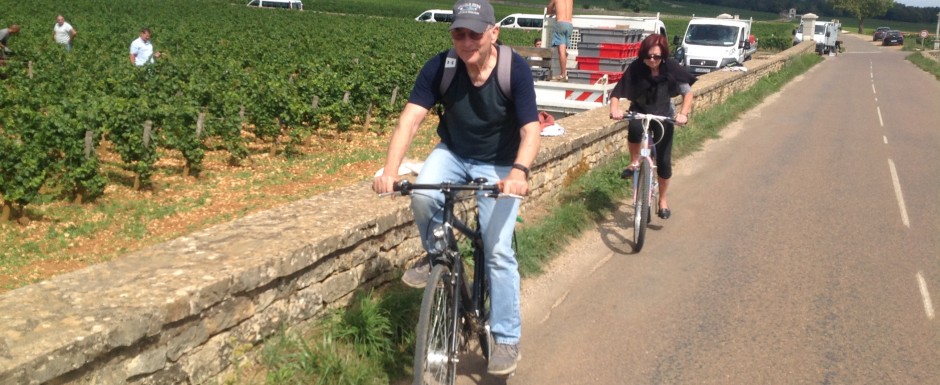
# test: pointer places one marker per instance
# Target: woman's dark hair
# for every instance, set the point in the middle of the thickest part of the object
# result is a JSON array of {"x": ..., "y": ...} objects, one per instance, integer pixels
[{"x": 652, "y": 41}]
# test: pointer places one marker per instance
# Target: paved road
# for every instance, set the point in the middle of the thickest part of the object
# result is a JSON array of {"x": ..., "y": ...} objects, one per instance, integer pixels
[{"x": 802, "y": 250}]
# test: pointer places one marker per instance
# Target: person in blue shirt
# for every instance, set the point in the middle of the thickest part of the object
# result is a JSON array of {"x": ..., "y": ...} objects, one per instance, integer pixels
[{"x": 484, "y": 133}]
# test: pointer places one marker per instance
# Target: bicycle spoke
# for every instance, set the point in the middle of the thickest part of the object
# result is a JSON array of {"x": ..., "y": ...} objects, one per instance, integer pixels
[{"x": 434, "y": 363}]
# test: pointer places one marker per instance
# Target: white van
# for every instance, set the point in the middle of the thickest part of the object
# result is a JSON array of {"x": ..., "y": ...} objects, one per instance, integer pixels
[
  {"x": 523, "y": 21},
  {"x": 436, "y": 16},
  {"x": 712, "y": 43},
  {"x": 283, "y": 4},
  {"x": 825, "y": 34}
]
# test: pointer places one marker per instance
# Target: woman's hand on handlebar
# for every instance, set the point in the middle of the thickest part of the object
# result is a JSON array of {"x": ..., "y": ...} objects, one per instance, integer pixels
[
  {"x": 681, "y": 119},
  {"x": 616, "y": 114}
]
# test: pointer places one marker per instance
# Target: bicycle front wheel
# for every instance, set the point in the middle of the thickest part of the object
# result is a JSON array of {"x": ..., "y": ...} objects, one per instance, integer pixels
[
  {"x": 641, "y": 207},
  {"x": 435, "y": 358}
]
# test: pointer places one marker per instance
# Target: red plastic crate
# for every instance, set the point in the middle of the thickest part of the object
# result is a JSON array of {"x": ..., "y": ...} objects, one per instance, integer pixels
[
  {"x": 591, "y": 77},
  {"x": 602, "y": 64},
  {"x": 606, "y": 50}
]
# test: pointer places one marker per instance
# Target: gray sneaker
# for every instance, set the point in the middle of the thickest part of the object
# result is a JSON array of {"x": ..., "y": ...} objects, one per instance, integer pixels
[
  {"x": 417, "y": 275},
  {"x": 503, "y": 359}
]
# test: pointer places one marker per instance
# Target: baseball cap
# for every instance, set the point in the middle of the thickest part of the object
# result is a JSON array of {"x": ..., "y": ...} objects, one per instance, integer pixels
[{"x": 475, "y": 15}]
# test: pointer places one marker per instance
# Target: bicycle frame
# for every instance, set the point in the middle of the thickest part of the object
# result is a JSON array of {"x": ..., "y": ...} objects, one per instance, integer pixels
[
  {"x": 470, "y": 300},
  {"x": 466, "y": 309},
  {"x": 647, "y": 154}
]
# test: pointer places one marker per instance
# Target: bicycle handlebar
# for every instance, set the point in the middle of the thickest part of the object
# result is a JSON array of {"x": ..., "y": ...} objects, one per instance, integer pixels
[
  {"x": 405, "y": 187},
  {"x": 639, "y": 116}
]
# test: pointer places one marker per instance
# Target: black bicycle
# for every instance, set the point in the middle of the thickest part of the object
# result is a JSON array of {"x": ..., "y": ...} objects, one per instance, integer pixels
[{"x": 455, "y": 306}]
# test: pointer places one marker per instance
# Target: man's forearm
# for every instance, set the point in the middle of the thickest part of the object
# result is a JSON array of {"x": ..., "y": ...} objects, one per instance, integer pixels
[{"x": 529, "y": 146}]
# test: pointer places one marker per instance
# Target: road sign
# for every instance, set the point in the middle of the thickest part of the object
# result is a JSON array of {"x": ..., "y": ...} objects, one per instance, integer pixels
[{"x": 923, "y": 34}]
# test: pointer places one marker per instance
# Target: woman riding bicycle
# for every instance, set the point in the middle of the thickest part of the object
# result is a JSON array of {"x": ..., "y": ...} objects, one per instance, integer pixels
[{"x": 650, "y": 84}]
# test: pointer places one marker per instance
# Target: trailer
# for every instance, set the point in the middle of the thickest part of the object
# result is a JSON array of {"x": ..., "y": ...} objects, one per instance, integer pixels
[{"x": 601, "y": 48}]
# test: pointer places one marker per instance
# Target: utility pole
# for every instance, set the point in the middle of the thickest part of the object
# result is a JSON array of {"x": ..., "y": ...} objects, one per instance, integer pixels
[{"x": 936, "y": 36}]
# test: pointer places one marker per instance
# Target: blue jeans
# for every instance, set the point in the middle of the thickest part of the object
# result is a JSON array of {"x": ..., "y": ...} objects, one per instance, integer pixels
[{"x": 497, "y": 221}]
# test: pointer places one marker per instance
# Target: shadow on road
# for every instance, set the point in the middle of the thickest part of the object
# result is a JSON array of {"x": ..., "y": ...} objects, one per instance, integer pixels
[{"x": 617, "y": 230}]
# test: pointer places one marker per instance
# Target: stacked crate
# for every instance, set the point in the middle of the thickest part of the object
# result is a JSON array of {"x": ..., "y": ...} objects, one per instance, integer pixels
[{"x": 604, "y": 51}]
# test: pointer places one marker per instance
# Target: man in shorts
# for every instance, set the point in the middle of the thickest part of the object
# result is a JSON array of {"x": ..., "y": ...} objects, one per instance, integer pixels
[{"x": 561, "y": 34}]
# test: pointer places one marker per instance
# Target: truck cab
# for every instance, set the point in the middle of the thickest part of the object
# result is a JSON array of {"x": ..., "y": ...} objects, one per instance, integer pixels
[{"x": 710, "y": 44}]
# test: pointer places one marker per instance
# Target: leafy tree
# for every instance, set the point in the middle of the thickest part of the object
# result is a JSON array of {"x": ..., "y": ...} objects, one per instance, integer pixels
[{"x": 863, "y": 9}]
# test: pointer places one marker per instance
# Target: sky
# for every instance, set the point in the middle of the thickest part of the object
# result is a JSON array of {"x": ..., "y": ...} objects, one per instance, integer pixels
[{"x": 919, "y": 3}]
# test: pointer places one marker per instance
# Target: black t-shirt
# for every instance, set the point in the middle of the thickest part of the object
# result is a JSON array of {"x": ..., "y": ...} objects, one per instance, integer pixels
[
  {"x": 650, "y": 94},
  {"x": 479, "y": 123}
]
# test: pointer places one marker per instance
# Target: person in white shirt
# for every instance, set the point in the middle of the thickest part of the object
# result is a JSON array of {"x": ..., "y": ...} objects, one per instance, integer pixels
[
  {"x": 63, "y": 32},
  {"x": 5, "y": 38},
  {"x": 141, "y": 50}
]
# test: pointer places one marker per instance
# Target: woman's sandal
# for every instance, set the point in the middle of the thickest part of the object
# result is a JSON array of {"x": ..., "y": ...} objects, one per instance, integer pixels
[
  {"x": 664, "y": 213},
  {"x": 627, "y": 173}
]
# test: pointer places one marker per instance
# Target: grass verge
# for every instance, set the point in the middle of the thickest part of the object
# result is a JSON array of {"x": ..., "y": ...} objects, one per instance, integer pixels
[
  {"x": 927, "y": 64},
  {"x": 372, "y": 341}
]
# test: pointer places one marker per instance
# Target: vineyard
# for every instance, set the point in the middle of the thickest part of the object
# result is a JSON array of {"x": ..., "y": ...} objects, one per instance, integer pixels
[
  {"x": 241, "y": 100},
  {"x": 256, "y": 106},
  {"x": 229, "y": 76}
]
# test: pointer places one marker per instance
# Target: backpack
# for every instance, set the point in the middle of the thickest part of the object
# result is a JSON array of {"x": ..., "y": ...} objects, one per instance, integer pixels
[{"x": 503, "y": 70}]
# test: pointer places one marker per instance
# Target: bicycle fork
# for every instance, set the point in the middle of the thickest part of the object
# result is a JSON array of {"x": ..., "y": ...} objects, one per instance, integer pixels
[{"x": 647, "y": 154}]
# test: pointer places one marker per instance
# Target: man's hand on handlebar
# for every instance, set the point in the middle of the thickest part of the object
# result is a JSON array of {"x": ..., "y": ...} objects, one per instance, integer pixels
[
  {"x": 514, "y": 184},
  {"x": 384, "y": 184}
]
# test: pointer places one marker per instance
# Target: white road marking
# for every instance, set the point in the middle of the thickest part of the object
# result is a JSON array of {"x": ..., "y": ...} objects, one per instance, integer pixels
[
  {"x": 554, "y": 305},
  {"x": 886, "y": 139},
  {"x": 897, "y": 192},
  {"x": 601, "y": 263},
  {"x": 873, "y": 89},
  {"x": 928, "y": 305},
  {"x": 880, "y": 120}
]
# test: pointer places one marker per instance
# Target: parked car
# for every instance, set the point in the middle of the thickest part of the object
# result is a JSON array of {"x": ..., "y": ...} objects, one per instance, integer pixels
[
  {"x": 436, "y": 16},
  {"x": 283, "y": 4},
  {"x": 893, "y": 37},
  {"x": 879, "y": 33},
  {"x": 522, "y": 21}
]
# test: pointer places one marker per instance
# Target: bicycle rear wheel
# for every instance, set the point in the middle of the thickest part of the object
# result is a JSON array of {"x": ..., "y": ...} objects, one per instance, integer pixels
[
  {"x": 641, "y": 209},
  {"x": 435, "y": 361}
]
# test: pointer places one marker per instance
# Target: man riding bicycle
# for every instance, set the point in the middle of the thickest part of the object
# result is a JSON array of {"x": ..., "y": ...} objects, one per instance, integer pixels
[{"x": 484, "y": 133}]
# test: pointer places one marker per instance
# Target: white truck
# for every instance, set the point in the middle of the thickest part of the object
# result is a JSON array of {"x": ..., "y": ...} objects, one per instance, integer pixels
[
  {"x": 712, "y": 43},
  {"x": 569, "y": 97},
  {"x": 825, "y": 34}
]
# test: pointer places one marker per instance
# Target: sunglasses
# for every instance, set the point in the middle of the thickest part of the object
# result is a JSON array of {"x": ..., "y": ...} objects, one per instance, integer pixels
[
  {"x": 654, "y": 57},
  {"x": 460, "y": 34}
]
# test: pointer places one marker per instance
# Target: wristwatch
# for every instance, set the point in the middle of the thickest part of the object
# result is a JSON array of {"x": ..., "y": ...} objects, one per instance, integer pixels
[{"x": 524, "y": 169}]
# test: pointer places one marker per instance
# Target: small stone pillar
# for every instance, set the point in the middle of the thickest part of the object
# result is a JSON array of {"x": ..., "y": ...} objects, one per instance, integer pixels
[{"x": 809, "y": 26}]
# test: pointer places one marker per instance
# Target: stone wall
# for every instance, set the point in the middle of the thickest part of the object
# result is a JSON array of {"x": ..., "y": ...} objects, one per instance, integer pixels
[{"x": 184, "y": 311}]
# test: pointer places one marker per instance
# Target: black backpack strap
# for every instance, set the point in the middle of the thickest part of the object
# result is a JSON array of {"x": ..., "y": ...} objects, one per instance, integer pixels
[
  {"x": 504, "y": 69},
  {"x": 450, "y": 69}
]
